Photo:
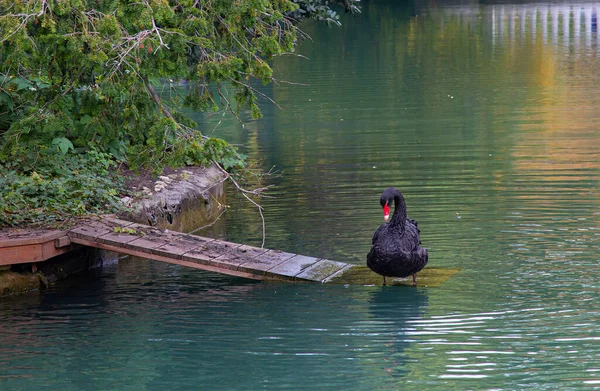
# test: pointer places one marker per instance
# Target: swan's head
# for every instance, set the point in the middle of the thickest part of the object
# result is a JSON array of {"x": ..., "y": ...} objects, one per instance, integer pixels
[
  {"x": 386, "y": 200},
  {"x": 386, "y": 203}
]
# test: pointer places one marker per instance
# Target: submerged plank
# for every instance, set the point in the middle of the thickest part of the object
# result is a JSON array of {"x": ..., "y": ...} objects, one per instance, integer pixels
[
  {"x": 362, "y": 275},
  {"x": 292, "y": 267},
  {"x": 321, "y": 270}
]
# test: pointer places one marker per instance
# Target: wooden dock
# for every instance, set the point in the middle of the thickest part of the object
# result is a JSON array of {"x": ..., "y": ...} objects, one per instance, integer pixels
[
  {"x": 31, "y": 246},
  {"x": 212, "y": 255},
  {"x": 203, "y": 253}
]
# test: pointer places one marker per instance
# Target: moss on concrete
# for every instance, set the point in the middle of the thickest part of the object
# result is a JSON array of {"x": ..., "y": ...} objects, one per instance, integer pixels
[
  {"x": 12, "y": 283},
  {"x": 186, "y": 200}
]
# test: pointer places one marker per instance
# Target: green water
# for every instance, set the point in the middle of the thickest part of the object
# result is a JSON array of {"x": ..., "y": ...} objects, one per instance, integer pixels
[{"x": 485, "y": 116}]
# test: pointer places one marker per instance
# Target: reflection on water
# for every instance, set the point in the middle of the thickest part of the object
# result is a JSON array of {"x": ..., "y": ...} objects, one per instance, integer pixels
[
  {"x": 485, "y": 116},
  {"x": 572, "y": 26},
  {"x": 155, "y": 326}
]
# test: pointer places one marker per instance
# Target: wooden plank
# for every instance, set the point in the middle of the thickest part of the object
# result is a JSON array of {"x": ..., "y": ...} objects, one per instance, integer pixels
[
  {"x": 49, "y": 250},
  {"x": 21, "y": 254},
  {"x": 147, "y": 243},
  {"x": 181, "y": 245},
  {"x": 191, "y": 238},
  {"x": 28, "y": 236},
  {"x": 63, "y": 241},
  {"x": 217, "y": 253},
  {"x": 147, "y": 228},
  {"x": 182, "y": 262},
  {"x": 292, "y": 267},
  {"x": 321, "y": 270},
  {"x": 30, "y": 246},
  {"x": 251, "y": 252},
  {"x": 114, "y": 222},
  {"x": 200, "y": 257},
  {"x": 119, "y": 239},
  {"x": 89, "y": 231},
  {"x": 265, "y": 261},
  {"x": 224, "y": 253}
]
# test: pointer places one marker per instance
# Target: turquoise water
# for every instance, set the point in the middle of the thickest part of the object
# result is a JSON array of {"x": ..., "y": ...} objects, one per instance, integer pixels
[{"x": 485, "y": 117}]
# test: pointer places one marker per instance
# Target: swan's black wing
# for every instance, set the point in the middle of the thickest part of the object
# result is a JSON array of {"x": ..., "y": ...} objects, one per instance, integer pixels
[
  {"x": 376, "y": 234},
  {"x": 418, "y": 230},
  {"x": 411, "y": 240}
]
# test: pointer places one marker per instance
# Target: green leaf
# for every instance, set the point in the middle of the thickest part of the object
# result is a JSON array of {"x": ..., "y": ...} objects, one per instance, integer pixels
[
  {"x": 21, "y": 83},
  {"x": 85, "y": 120},
  {"x": 7, "y": 99},
  {"x": 63, "y": 144}
]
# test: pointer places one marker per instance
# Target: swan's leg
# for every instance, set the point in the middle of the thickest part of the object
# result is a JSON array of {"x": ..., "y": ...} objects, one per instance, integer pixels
[
  {"x": 383, "y": 280},
  {"x": 415, "y": 279}
]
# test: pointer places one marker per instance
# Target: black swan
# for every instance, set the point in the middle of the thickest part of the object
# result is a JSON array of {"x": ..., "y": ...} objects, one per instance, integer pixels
[{"x": 396, "y": 251}]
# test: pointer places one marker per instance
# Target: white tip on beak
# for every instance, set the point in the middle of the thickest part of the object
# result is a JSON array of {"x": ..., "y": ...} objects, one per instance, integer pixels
[{"x": 386, "y": 217}]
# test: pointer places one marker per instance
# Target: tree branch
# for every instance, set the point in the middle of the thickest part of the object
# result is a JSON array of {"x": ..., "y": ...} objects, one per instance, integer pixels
[
  {"x": 256, "y": 192},
  {"x": 157, "y": 99}
]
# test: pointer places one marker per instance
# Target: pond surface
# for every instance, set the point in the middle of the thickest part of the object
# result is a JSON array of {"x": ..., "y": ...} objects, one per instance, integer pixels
[{"x": 486, "y": 117}]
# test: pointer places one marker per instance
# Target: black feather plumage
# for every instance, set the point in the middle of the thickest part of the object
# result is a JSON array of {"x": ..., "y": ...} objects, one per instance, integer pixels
[{"x": 396, "y": 251}]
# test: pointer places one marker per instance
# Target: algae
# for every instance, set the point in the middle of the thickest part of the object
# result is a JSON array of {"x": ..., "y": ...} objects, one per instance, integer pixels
[
  {"x": 12, "y": 283},
  {"x": 362, "y": 275}
]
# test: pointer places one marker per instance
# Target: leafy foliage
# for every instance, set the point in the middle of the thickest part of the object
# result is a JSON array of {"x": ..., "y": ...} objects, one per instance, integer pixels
[
  {"x": 103, "y": 76},
  {"x": 62, "y": 188},
  {"x": 320, "y": 10}
]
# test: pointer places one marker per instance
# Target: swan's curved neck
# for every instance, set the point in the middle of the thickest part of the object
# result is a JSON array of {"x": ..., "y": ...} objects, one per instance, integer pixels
[{"x": 399, "y": 216}]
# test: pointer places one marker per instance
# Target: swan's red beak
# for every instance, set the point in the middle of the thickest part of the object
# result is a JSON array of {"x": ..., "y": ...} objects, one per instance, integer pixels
[{"x": 386, "y": 212}]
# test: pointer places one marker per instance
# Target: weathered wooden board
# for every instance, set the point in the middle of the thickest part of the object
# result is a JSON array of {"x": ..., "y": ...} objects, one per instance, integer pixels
[
  {"x": 265, "y": 261},
  {"x": 20, "y": 237},
  {"x": 292, "y": 267},
  {"x": 322, "y": 270},
  {"x": 32, "y": 245},
  {"x": 90, "y": 231},
  {"x": 181, "y": 245}
]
